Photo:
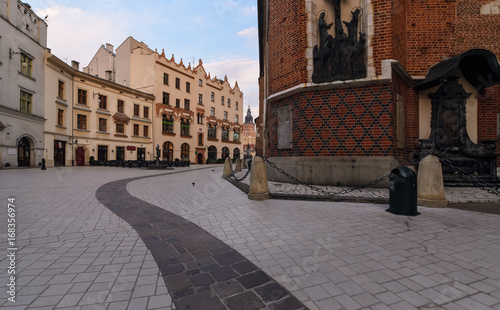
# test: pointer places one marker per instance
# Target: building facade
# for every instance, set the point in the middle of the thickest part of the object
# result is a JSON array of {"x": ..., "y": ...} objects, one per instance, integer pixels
[
  {"x": 196, "y": 118},
  {"x": 23, "y": 37},
  {"x": 352, "y": 88},
  {"x": 94, "y": 119},
  {"x": 249, "y": 134}
]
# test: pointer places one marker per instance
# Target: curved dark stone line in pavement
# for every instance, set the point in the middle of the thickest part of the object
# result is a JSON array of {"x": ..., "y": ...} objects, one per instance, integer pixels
[{"x": 199, "y": 270}]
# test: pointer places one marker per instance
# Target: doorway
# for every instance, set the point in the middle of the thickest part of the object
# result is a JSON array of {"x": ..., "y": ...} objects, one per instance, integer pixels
[
  {"x": 80, "y": 156},
  {"x": 141, "y": 154},
  {"x": 200, "y": 158},
  {"x": 59, "y": 153},
  {"x": 23, "y": 153}
]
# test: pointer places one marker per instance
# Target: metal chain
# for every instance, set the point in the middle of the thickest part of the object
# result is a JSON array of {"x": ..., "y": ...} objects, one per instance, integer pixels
[
  {"x": 331, "y": 194},
  {"x": 471, "y": 178},
  {"x": 234, "y": 176}
]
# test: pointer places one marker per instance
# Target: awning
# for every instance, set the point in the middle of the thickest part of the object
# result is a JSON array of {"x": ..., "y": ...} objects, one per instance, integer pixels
[{"x": 479, "y": 67}]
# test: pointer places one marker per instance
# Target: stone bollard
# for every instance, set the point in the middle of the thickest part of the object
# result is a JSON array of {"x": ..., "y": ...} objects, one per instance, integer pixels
[
  {"x": 258, "y": 180},
  {"x": 227, "y": 169},
  {"x": 238, "y": 165},
  {"x": 430, "y": 186}
]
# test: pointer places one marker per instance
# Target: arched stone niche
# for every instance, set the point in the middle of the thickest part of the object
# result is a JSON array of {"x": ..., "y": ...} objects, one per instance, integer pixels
[{"x": 314, "y": 8}]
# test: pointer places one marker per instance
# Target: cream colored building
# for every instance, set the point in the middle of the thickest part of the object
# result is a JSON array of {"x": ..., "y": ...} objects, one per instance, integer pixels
[
  {"x": 90, "y": 118},
  {"x": 23, "y": 39},
  {"x": 196, "y": 117},
  {"x": 249, "y": 135}
]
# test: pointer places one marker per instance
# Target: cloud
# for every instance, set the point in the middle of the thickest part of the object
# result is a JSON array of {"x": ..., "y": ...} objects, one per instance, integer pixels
[
  {"x": 249, "y": 33},
  {"x": 241, "y": 69}
]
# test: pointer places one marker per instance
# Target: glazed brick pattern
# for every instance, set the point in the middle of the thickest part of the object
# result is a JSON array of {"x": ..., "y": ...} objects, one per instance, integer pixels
[
  {"x": 287, "y": 44},
  {"x": 488, "y": 108},
  {"x": 338, "y": 122}
]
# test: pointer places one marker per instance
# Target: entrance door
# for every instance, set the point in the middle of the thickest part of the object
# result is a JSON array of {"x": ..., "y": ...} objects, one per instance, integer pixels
[
  {"x": 23, "y": 153},
  {"x": 80, "y": 156},
  {"x": 141, "y": 154},
  {"x": 120, "y": 153},
  {"x": 200, "y": 158},
  {"x": 102, "y": 153},
  {"x": 59, "y": 153}
]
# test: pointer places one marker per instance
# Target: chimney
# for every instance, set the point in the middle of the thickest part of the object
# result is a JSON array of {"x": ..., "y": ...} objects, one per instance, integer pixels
[
  {"x": 109, "y": 47},
  {"x": 75, "y": 65},
  {"x": 109, "y": 75}
]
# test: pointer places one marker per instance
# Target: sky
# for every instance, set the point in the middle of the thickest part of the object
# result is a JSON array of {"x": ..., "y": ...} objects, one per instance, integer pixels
[{"x": 223, "y": 33}]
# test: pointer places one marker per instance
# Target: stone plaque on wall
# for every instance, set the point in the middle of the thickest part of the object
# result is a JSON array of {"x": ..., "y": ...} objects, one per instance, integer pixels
[{"x": 285, "y": 127}]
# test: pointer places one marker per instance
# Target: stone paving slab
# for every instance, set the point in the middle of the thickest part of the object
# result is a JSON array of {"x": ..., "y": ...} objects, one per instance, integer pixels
[
  {"x": 192, "y": 261},
  {"x": 346, "y": 255}
]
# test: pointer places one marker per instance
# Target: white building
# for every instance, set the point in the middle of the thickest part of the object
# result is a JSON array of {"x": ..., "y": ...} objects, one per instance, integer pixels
[{"x": 23, "y": 40}]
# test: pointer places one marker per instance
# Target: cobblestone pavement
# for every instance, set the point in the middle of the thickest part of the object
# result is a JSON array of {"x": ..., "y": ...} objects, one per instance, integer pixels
[{"x": 73, "y": 253}]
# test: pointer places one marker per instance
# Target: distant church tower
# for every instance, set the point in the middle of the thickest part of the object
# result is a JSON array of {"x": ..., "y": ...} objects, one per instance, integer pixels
[{"x": 249, "y": 134}]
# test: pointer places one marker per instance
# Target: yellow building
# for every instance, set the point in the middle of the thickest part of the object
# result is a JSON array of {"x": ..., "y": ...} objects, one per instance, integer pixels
[
  {"x": 90, "y": 118},
  {"x": 197, "y": 118},
  {"x": 249, "y": 134}
]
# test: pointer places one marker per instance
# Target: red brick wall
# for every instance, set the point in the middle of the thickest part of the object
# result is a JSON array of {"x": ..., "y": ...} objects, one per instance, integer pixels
[
  {"x": 381, "y": 42},
  {"x": 399, "y": 31},
  {"x": 354, "y": 121},
  {"x": 287, "y": 44},
  {"x": 474, "y": 30}
]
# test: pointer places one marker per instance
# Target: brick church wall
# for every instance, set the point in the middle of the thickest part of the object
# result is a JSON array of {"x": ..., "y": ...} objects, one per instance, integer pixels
[
  {"x": 287, "y": 44},
  {"x": 338, "y": 122}
]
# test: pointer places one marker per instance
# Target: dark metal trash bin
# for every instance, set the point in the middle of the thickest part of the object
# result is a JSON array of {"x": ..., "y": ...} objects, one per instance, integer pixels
[{"x": 403, "y": 192}]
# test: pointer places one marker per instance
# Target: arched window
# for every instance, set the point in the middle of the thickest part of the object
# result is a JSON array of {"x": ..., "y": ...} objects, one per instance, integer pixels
[
  {"x": 236, "y": 153},
  {"x": 185, "y": 152},
  {"x": 168, "y": 151},
  {"x": 212, "y": 154},
  {"x": 167, "y": 123},
  {"x": 225, "y": 152}
]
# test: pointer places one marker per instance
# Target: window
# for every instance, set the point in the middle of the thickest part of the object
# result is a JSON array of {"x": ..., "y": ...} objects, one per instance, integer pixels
[
  {"x": 177, "y": 103},
  {"x": 166, "y": 98},
  {"x": 224, "y": 134},
  {"x": 200, "y": 82},
  {"x": 225, "y": 115},
  {"x": 25, "y": 102},
  {"x": 120, "y": 153},
  {"x": 60, "y": 117},
  {"x": 102, "y": 102},
  {"x": 167, "y": 123},
  {"x": 186, "y": 104},
  {"x": 236, "y": 118},
  {"x": 60, "y": 90},
  {"x": 136, "y": 110},
  {"x": 146, "y": 131},
  {"x": 121, "y": 106},
  {"x": 82, "y": 96},
  {"x": 212, "y": 96},
  {"x": 184, "y": 127},
  {"x": 212, "y": 112},
  {"x": 212, "y": 131},
  {"x": 222, "y": 100},
  {"x": 146, "y": 112},
  {"x": 136, "y": 129},
  {"x": 236, "y": 105},
  {"x": 185, "y": 152},
  {"x": 200, "y": 139},
  {"x": 228, "y": 102},
  {"x": 200, "y": 118},
  {"x": 200, "y": 99},
  {"x": 188, "y": 87},
  {"x": 120, "y": 128},
  {"x": 26, "y": 65},
  {"x": 81, "y": 122},
  {"x": 177, "y": 83},
  {"x": 236, "y": 135},
  {"x": 165, "y": 78},
  {"x": 103, "y": 124},
  {"x": 168, "y": 151}
]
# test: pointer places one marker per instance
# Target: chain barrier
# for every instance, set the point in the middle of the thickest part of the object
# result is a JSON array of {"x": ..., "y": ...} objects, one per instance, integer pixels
[
  {"x": 317, "y": 189},
  {"x": 485, "y": 186},
  {"x": 234, "y": 175}
]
